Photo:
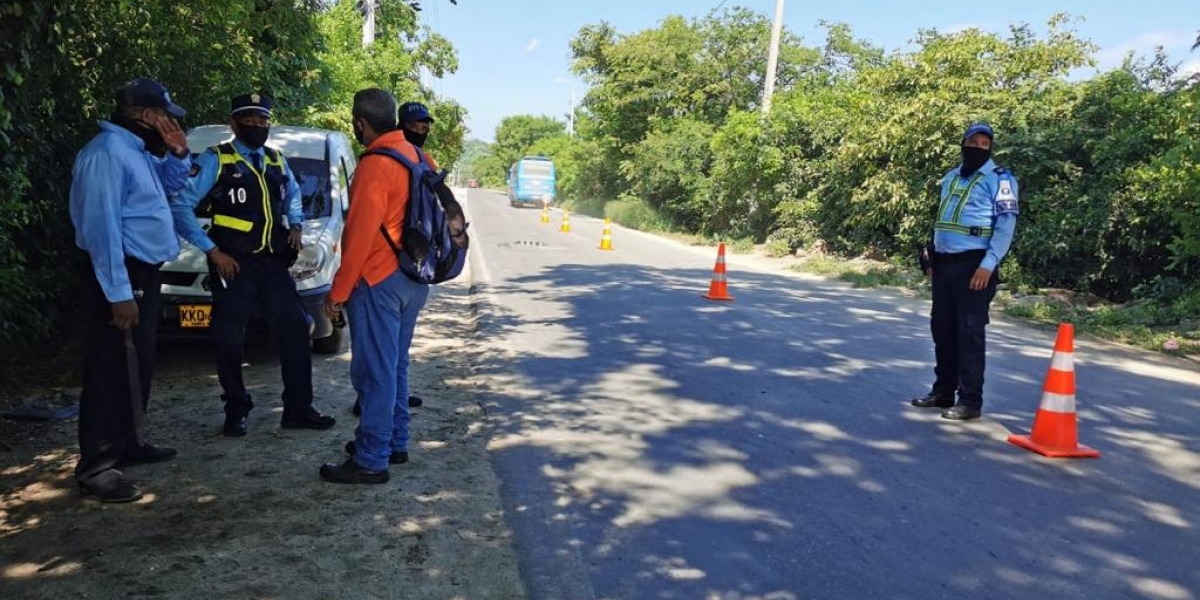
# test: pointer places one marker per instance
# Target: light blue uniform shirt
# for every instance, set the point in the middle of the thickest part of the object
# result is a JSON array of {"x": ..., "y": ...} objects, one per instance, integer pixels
[
  {"x": 991, "y": 202},
  {"x": 119, "y": 208},
  {"x": 208, "y": 168}
]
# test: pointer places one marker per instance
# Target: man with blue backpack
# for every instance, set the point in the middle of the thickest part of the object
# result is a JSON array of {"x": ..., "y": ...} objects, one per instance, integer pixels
[
  {"x": 404, "y": 232},
  {"x": 415, "y": 121}
]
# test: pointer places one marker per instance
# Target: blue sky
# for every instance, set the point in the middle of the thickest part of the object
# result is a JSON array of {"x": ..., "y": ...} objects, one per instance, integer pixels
[{"x": 512, "y": 51}]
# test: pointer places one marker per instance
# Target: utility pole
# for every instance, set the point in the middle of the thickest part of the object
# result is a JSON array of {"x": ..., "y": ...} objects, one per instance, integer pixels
[
  {"x": 368, "y": 36},
  {"x": 772, "y": 58},
  {"x": 571, "y": 114}
]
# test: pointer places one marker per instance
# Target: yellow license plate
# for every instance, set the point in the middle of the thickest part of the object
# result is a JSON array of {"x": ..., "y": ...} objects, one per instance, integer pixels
[{"x": 195, "y": 315}]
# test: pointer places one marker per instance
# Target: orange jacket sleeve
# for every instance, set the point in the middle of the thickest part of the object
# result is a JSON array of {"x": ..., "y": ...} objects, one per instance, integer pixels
[{"x": 374, "y": 194}]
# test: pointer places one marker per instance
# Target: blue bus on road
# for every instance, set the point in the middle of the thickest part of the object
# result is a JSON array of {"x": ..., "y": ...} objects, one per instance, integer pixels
[{"x": 531, "y": 181}]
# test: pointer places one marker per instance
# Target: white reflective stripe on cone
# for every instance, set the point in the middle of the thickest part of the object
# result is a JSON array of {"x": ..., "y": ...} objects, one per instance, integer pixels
[
  {"x": 1063, "y": 361},
  {"x": 1059, "y": 403},
  {"x": 718, "y": 277}
]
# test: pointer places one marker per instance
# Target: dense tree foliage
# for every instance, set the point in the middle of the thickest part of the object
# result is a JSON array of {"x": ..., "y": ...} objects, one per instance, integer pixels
[
  {"x": 63, "y": 60},
  {"x": 857, "y": 140}
]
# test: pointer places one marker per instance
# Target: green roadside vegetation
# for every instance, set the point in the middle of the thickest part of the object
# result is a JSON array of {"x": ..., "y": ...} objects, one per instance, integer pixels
[
  {"x": 63, "y": 60},
  {"x": 670, "y": 137}
]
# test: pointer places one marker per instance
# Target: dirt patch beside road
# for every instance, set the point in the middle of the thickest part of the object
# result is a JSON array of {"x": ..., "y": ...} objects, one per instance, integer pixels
[{"x": 248, "y": 519}]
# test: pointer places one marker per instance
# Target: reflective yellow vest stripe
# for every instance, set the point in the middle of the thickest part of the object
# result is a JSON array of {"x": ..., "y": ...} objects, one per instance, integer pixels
[{"x": 232, "y": 223}]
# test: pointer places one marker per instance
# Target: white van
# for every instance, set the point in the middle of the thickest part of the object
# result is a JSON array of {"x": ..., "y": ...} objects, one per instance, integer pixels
[{"x": 323, "y": 163}]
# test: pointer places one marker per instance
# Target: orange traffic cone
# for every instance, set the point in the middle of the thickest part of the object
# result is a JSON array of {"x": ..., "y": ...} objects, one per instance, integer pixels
[
  {"x": 1055, "y": 433},
  {"x": 566, "y": 225},
  {"x": 606, "y": 237},
  {"x": 719, "y": 288}
]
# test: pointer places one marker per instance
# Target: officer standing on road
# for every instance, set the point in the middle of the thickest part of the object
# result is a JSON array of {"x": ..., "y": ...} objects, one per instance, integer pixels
[
  {"x": 249, "y": 191},
  {"x": 976, "y": 220},
  {"x": 118, "y": 205}
]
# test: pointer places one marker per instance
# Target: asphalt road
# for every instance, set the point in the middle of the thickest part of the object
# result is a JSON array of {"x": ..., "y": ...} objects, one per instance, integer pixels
[{"x": 653, "y": 444}]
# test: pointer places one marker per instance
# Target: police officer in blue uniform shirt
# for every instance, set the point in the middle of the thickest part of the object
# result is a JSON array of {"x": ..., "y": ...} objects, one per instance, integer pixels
[
  {"x": 248, "y": 190},
  {"x": 118, "y": 205},
  {"x": 976, "y": 219}
]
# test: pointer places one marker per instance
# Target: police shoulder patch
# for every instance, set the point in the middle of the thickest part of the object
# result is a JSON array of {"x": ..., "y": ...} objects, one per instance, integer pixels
[{"x": 1006, "y": 196}]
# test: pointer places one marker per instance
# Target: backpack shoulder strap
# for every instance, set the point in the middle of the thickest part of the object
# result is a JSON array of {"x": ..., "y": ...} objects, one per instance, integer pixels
[
  {"x": 392, "y": 154},
  {"x": 408, "y": 164}
]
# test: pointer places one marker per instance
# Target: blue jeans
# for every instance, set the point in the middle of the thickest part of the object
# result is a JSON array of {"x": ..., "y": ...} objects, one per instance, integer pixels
[{"x": 382, "y": 319}]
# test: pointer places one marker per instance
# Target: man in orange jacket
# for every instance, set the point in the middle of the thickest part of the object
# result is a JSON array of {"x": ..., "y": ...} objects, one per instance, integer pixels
[
  {"x": 382, "y": 302},
  {"x": 415, "y": 121}
]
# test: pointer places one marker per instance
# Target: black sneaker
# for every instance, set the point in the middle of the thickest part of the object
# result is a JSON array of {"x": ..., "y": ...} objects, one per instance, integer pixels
[
  {"x": 350, "y": 472},
  {"x": 146, "y": 454},
  {"x": 235, "y": 426},
  {"x": 397, "y": 458},
  {"x": 117, "y": 491}
]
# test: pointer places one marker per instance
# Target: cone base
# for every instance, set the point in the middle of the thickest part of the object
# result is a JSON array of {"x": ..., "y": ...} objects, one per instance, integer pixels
[
  {"x": 718, "y": 298},
  {"x": 603, "y": 248},
  {"x": 1080, "y": 451}
]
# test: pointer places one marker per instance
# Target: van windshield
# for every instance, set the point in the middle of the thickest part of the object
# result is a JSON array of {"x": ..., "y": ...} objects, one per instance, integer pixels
[{"x": 536, "y": 168}]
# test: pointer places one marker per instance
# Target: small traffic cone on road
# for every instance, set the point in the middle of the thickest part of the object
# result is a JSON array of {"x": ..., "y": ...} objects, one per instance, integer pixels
[
  {"x": 545, "y": 212},
  {"x": 1055, "y": 431},
  {"x": 719, "y": 288},
  {"x": 606, "y": 237},
  {"x": 566, "y": 225}
]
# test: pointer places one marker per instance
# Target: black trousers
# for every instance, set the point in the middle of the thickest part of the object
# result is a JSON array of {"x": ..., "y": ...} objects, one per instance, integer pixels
[
  {"x": 958, "y": 322},
  {"x": 105, "y": 409},
  {"x": 263, "y": 280}
]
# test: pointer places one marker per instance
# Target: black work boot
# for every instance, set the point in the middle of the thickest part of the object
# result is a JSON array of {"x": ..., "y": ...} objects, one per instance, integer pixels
[{"x": 934, "y": 400}]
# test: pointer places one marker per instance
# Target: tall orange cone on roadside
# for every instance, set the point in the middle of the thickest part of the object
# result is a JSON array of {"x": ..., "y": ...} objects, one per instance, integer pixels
[
  {"x": 1055, "y": 431},
  {"x": 566, "y": 224},
  {"x": 606, "y": 237},
  {"x": 719, "y": 288}
]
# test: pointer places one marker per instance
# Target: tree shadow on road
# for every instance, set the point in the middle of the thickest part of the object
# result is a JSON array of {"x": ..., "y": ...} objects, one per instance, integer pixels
[{"x": 657, "y": 445}]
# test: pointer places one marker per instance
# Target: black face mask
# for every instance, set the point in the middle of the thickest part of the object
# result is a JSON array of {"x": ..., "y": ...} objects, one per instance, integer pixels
[
  {"x": 359, "y": 136},
  {"x": 416, "y": 139},
  {"x": 149, "y": 135},
  {"x": 973, "y": 159},
  {"x": 253, "y": 136}
]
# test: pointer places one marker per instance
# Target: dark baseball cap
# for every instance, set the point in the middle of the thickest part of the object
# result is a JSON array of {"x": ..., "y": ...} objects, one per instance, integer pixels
[
  {"x": 150, "y": 94},
  {"x": 414, "y": 111},
  {"x": 975, "y": 128},
  {"x": 260, "y": 103}
]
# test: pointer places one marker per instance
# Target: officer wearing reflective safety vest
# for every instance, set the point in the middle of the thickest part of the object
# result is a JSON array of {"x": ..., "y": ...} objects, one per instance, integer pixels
[
  {"x": 253, "y": 199},
  {"x": 976, "y": 219}
]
